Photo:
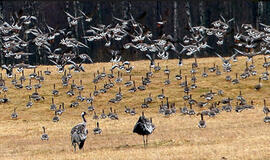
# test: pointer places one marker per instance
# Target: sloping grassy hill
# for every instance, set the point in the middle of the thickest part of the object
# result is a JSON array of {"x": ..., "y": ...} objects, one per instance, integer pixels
[{"x": 231, "y": 135}]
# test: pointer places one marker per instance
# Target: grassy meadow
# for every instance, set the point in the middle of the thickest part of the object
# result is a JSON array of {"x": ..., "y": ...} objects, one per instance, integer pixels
[{"x": 227, "y": 136}]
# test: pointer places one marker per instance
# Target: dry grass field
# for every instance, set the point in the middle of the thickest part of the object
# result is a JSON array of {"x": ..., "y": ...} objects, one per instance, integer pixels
[{"x": 227, "y": 136}]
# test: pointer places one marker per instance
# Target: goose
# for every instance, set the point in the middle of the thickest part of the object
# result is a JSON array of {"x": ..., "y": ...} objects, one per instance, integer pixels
[
  {"x": 103, "y": 74},
  {"x": 22, "y": 78},
  {"x": 249, "y": 55},
  {"x": 193, "y": 86},
  {"x": 74, "y": 104},
  {"x": 186, "y": 97},
  {"x": 73, "y": 85},
  {"x": 161, "y": 96},
  {"x": 133, "y": 89},
  {"x": 14, "y": 114},
  {"x": 202, "y": 123},
  {"x": 14, "y": 81},
  {"x": 110, "y": 75},
  {"x": 202, "y": 104},
  {"x": 204, "y": 74},
  {"x": 191, "y": 101},
  {"x": 228, "y": 78},
  {"x": 69, "y": 75},
  {"x": 212, "y": 69},
  {"x": 38, "y": 85},
  {"x": 173, "y": 109},
  {"x": 103, "y": 115},
  {"x": 167, "y": 111},
  {"x": 265, "y": 108},
  {"x": 97, "y": 130},
  {"x": 191, "y": 111},
  {"x": 144, "y": 105},
  {"x": 80, "y": 97},
  {"x": 29, "y": 86},
  {"x": 119, "y": 78},
  {"x": 167, "y": 81},
  {"x": 150, "y": 73},
  {"x": 226, "y": 62},
  {"x": 127, "y": 109},
  {"x": 9, "y": 70},
  {"x": 80, "y": 87},
  {"x": 149, "y": 99},
  {"x": 53, "y": 106},
  {"x": 29, "y": 103},
  {"x": 142, "y": 87},
  {"x": 132, "y": 112},
  {"x": 96, "y": 92},
  {"x": 129, "y": 83},
  {"x": 235, "y": 81},
  {"x": 79, "y": 133},
  {"x": 179, "y": 76},
  {"x": 91, "y": 107},
  {"x": 110, "y": 113},
  {"x": 44, "y": 136},
  {"x": 184, "y": 110},
  {"x": 19, "y": 86},
  {"x": 90, "y": 98},
  {"x": 33, "y": 75},
  {"x": 258, "y": 86},
  {"x": 47, "y": 72},
  {"x": 218, "y": 72},
  {"x": 114, "y": 116},
  {"x": 184, "y": 84},
  {"x": 266, "y": 118},
  {"x": 238, "y": 108},
  {"x": 4, "y": 99},
  {"x": 54, "y": 91},
  {"x": 70, "y": 92},
  {"x": 55, "y": 118},
  {"x": 95, "y": 116},
  {"x": 228, "y": 107},
  {"x": 144, "y": 127},
  {"x": 41, "y": 78},
  {"x": 166, "y": 71},
  {"x": 157, "y": 68}
]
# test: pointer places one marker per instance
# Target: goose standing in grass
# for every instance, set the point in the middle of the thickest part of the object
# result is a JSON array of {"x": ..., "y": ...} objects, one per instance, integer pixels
[
  {"x": 265, "y": 108},
  {"x": 236, "y": 80},
  {"x": 29, "y": 103},
  {"x": 55, "y": 118},
  {"x": 179, "y": 76},
  {"x": 47, "y": 72},
  {"x": 79, "y": 133},
  {"x": 29, "y": 86},
  {"x": 54, "y": 91},
  {"x": 258, "y": 86},
  {"x": 44, "y": 136},
  {"x": 103, "y": 115},
  {"x": 14, "y": 114},
  {"x": 53, "y": 106},
  {"x": 97, "y": 130},
  {"x": 161, "y": 96},
  {"x": 202, "y": 123},
  {"x": 144, "y": 127}
]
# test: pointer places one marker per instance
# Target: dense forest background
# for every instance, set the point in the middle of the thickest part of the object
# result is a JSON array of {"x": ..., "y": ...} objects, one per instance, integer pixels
[{"x": 203, "y": 12}]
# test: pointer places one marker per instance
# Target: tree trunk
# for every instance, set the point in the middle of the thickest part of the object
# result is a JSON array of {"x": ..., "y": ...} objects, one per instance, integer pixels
[
  {"x": 202, "y": 13},
  {"x": 259, "y": 14},
  {"x": 1, "y": 22},
  {"x": 175, "y": 19},
  {"x": 75, "y": 14}
]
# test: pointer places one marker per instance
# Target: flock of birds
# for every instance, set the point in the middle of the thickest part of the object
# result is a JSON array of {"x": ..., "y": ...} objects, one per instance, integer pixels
[{"x": 23, "y": 31}]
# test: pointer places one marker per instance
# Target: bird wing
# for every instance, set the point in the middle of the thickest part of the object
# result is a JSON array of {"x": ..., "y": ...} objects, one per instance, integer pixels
[
  {"x": 243, "y": 53},
  {"x": 220, "y": 56}
]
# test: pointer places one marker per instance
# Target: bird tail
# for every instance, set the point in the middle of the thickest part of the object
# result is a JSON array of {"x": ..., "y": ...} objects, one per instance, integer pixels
[{"x": 81, "y": 144}]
